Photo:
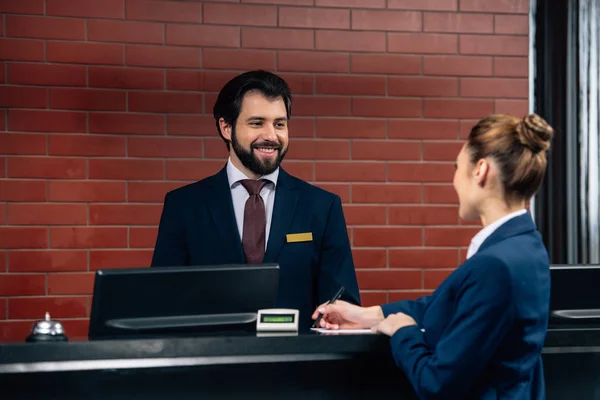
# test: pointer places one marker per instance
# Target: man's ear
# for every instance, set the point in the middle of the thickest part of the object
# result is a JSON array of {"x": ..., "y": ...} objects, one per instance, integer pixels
[
  {"x": 225, "y": 129},
  {"x": 480, "y": 172}
]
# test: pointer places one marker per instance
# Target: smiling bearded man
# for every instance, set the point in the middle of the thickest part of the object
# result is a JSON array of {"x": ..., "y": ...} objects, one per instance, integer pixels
[{"x": 252, "y": 211}]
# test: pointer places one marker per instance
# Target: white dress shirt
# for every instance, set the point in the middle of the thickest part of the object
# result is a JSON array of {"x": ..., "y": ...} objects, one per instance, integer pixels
[
  {"x": 488, "y": 230},
  {"x": 239, "y": 195}
]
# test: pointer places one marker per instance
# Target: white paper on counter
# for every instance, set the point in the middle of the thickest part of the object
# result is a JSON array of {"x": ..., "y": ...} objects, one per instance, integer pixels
[{"x": 343, "y": 331}]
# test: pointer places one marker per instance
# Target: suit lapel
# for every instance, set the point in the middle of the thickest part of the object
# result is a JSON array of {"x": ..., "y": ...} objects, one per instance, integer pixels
[
  {"x": 286, "y": 198},
  {"x": 220, "y": 205}
]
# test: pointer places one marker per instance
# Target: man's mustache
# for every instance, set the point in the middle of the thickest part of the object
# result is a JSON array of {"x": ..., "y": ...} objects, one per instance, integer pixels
[{"x": 267, "y": 143}]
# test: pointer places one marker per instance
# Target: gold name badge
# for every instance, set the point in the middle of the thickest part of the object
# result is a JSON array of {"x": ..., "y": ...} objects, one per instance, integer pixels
[{"x": 299, "y": 237}]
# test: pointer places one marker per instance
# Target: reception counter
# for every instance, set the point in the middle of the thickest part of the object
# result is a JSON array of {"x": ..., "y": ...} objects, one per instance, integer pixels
[{"x": 246, "y": 366}]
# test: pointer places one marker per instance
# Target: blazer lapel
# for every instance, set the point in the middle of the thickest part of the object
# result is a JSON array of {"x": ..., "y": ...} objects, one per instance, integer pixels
[
  {"x": 286, "y": 198},
  {"x": 221, "y": 208},
  {"x": 513, "y": 227}
]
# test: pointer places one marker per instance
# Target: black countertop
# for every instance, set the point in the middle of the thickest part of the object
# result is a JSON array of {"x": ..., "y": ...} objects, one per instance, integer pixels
[
  {"x": 229, "y": 349},
  {"x": 249, "y": 366}
]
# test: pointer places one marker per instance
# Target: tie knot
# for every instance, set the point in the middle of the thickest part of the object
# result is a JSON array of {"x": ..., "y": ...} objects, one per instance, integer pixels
[{"x": 253, "y": 186}]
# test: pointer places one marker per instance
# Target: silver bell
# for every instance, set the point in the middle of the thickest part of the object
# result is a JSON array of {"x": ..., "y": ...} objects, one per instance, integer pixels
[{"x": 47, "y": 330}]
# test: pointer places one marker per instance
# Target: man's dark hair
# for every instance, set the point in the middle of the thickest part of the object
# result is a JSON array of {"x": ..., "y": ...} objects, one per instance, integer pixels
[{"x": 229, "y": 101}]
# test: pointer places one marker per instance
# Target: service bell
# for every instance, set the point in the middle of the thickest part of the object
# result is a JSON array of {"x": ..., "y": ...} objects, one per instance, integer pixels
[{"x": 47, "y": 330}]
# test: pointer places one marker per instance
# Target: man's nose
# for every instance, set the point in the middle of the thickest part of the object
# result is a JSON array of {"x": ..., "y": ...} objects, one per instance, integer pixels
[{"x": 269, "y": 133}]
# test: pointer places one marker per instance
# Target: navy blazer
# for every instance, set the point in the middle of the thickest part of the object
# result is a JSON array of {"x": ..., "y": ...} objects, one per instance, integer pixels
[
  {"x": 198, "y": 227},
  {"x": 480, "y": 334}
]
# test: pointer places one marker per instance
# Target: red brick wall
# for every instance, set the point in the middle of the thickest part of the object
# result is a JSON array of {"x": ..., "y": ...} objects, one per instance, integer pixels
[{"x": 106, "y": 106}]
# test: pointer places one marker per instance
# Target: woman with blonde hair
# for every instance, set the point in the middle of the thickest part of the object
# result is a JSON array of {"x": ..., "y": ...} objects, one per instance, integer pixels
[{"x": 480, "y": 334}]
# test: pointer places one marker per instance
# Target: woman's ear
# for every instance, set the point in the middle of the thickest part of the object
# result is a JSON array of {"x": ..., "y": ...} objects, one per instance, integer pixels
[{"x": 480, "y": 172}]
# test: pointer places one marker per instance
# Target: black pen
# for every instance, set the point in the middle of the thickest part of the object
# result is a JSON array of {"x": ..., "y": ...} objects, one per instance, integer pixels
[{"x": 333, "y": 299}]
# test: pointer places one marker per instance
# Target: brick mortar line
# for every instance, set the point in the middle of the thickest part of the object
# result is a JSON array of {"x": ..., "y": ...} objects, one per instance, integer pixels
[
  {"x": 146, "y": 249},
  {"x": 75, "y": 250},
  {"x": 302, "y": 6},
  {"x": 9, "y": 320},
  {"x": 357, "y": 205},
  {"x": 421, "y": 98},
  {"x": 311, "y": 50},
  {"x": 151, "y": 248}
]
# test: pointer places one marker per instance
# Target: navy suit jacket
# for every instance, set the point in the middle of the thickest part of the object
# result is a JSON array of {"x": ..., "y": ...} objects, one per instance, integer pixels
[
  {"x": 198, "y": 227},
  {"x": 480, "y": 334}
]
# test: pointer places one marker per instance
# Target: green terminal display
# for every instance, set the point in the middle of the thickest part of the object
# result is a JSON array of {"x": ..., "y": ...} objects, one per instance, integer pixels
[{"x": 276, "y": 319}]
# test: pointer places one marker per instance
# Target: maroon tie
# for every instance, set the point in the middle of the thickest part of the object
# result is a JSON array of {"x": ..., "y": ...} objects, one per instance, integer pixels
[{"x": 255, "y": 222}]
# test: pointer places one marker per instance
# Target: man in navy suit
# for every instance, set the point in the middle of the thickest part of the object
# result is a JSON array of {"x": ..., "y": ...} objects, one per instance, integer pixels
[{"x": 253, "y": 211}]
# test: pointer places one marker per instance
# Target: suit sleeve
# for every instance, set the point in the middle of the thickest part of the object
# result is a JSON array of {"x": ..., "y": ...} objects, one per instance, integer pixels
[
  {"x": 414, "y": 308},
  {"x": 170, "y": 248},
  {"x": 483, "y": 316},
  {"x": 336, "y": 266}
]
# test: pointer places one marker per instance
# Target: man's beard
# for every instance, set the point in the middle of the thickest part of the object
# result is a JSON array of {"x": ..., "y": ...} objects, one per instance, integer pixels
[{"x": 252, "y": 161}]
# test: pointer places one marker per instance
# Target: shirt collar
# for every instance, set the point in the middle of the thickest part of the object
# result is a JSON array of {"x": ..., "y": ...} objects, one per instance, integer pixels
[
  {"x": 483, "y": 234},
  {"x": 234, "y": 175}
]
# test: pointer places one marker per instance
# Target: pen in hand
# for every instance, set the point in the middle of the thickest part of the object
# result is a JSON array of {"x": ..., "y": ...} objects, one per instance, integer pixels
[{"x": 333, "y": 299}]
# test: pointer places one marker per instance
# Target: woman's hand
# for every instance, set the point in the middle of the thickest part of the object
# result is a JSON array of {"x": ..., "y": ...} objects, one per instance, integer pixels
[
  {"x": 393, "y": 322},
  {"x": 343, "y": 315}
]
